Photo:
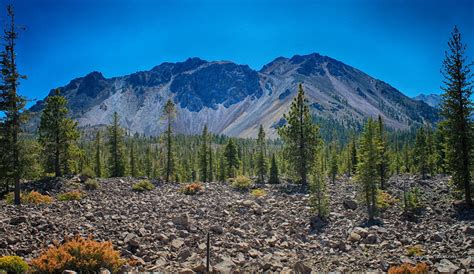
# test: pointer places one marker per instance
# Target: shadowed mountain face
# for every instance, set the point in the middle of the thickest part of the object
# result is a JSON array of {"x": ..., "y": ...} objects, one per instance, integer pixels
[
  {"x": 234, "y": 99},
  {"x": 433, "y": 100}
]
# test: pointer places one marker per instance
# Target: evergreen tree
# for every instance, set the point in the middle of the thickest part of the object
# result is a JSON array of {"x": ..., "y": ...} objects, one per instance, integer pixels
[
  {"x": 261, "y": 159},
  {"x": 457, "y": 112},
  {"x": 222, "y": 169},
  {"x": 300, "y": 136},
  {"x": 148, "y": 162},
  {"x": 133, "y": 164},
  {"x": 406, "y": 158},
  {"x": 98, "y": 163},
  {"x": 204, "y": 157},
  {"x": 231, "y": 159},
  {"x": 11, "y": 105},
  {"x": 382, "y": 161},
  {"x": 274, "y": 179},
  {"x": 367, "y": 169},
  {"x": 116, "y": 147},
  {"x": 318, "y": 198},
  {"x": 353, "y": 154},
  {"x": 211, "y": 163},
  {"x": 169, "y": 112},
  {"x": 58, "y": 135},
  {"x": 332, "y": 162},
  {"x": 421, "y": 153}
]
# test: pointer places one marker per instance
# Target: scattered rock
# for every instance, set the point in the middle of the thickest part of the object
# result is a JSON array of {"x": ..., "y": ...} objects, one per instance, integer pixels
[
  {"x": 300, "y": 267},
  {"x": 18, "y": 220},
  {"x": 182, "y": 220},
  {"x": 446, "y": 266},
  {"x": 177, "y": 243},
  {"x": 370, "y": 239},
  {"x": 354, "y": 237},
  {"x": 350, "y": 204},
  {"x": 217, "y": 229}
]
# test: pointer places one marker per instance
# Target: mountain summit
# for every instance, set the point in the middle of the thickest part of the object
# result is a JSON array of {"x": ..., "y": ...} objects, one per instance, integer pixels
[{"x": 234, "y": 99}]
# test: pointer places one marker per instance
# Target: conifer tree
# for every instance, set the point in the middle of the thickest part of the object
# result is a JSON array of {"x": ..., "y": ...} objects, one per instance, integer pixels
[
  {"x": 382, "y": 161},
  {"x": 11, "y": 105},
  {"x": 261, "y": 158},
  {"x": 421, "y": 153},
  {"x": 169, "y": 112},
  {"x": 274, "y": 179},
  {"x": 58, "y": 136},
  {"x": 300, "y": 136},
  {"x": 98, "y": 163},
  {"x": 231, "y": 159},
  {"x": 204, "y": 157},
  {"x": 211, "y": 163},
  {"x": 133, "y": 164},
  {"x": 318, "y": 198},
  {"x": 367, "y": 169},
  {"x": 148, "y": 162},
  {"x": 353, "y": 154},
  {"x": 457, "y": 112},
  {"x": 222, "y": 169},
  {"x": 116, "y": 161},
  {"x": 332, "y": 172}
]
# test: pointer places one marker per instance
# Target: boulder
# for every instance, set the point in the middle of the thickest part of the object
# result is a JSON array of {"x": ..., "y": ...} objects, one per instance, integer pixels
[
  {"x": 18, "y": 220},
  {"x": 370, "y": 239},
  {"x": 446, "y": 265},
  {"x": 182, "y": 220},
  {"x": 350, "y": 204},
  {"x": 354, "y": 237},
  {"x": 300, "y": 267}
]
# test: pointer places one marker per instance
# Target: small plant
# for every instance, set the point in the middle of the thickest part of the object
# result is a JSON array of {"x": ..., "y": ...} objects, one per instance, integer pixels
[
  {"x": 87, "y": 173},
  {"x": 32, "y": 197},
  {"x": 408, "y": 268},
  {"x": 412, "y": 199},
  {"x": 241, "y": 182},
  {"x": 78, "y": 254},
  {"x": 415, "y": 250},
  {"x": 258, "y": 192},
  {"x": 191, "y": 189},
  {"x": 385, "y": 200},
  {"x": 143, "y": 185},
  {"x": 91, "y": 184},
  {"x": 70, "y": 196},
  {"x": 13, "y": 264}
]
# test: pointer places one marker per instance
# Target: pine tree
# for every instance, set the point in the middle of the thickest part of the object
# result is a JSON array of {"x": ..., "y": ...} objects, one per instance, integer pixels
[
  {"x": 116, "y": 148},
  {"x": 169, "y": 112},
  {"x": 274, "y": 179},
  {"x": 98, "y": 163},
  {"x": 133, "y": 164},
  {"x": 231, "y": 159},
  {"x": 204, "y": 157},
  {"x": 421, "y": 153},
  {"x": 211, "y": 163},
  {"x": 457, "y": 112},
  {"x": 382, "y": 161},
  {"x": 11, "y": 105},
  {"x": 318, "y": 197},
  {"x": 58, "y": 135},
  {"x": 353, "y": 154},
  {"x": 261, "y": 159},
  {"x": 367, "y": 169},
  {"x": 222, "y": 169},
  {"x": 148, "y": 162},
  {"x": 300, "y": 136},
  {"x": 333, "y": 168}
]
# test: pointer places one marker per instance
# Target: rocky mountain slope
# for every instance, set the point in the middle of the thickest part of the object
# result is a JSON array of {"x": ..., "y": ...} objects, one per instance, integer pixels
[
  {"x": 234, "y": 100},
  {"x": 165, "y": 230},
  {"x": 433, "y": 100}
]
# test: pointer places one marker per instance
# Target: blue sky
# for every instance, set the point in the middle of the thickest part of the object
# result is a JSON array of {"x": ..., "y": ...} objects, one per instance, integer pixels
[{"x": 399, "y": 41}]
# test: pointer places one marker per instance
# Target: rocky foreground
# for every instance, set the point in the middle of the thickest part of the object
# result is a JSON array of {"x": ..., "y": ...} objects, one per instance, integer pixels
[{"x": 164, "y": 230}]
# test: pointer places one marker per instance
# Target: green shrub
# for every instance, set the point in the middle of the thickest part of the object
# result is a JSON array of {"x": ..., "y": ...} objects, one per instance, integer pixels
[
  {"x": 87, "y": 173},
  {"x": 32, "y": 197},
  {"x": 415, "y": 250},
  {"x": 91, "y": 184},
  {"x": 13, "y": 264},
  {"x": 241, "y": 182},
  {"x": 385, "y": 200},
  {"x": 412, "y": 199},
  {"x": 70, "y": 196},
  {"x": 143, "y": 185},
  {"x": 258, "y": 192}
]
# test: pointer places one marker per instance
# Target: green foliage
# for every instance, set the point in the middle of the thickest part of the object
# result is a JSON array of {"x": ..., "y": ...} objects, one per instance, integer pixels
[
  {"x": 168, "y": 113},
  {"x": 274, "y": 179},
  {"x": 261, "y": 164},
  {"x": 70, "y": 196},
  {"x": 333, "y": 161},
  {"x": 241, "y": 182},
  {"x": 231, "y": 159},
  {"x": 300, "y": 136},
  {"x": 412, "y": 200},
  {"x": 116, "y": 161},
  {"x": 421, "y": 153},
  {"x": 415, "y": 250},
  {"x": 457, "y": 112},
  {"x": 13, "y": 264},
  {"x": 133, "y": 160},
  {"x": 258, "y": 192},
  {"x": 91, "y": 184},
  {"x": 382, "y": 155},
  {"x": 98, "y": 161},
  {"x": 385, "y": 200},
  {"x": 318, "y": 197},
  {"x": 204, "y": 157},
  {"x": 143, "y": 185}
]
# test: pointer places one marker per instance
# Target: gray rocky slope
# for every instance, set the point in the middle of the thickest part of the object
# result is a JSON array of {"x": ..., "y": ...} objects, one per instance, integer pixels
[
  {"x": 234, "y": 100},
  {"x": 165, "y": 230}
]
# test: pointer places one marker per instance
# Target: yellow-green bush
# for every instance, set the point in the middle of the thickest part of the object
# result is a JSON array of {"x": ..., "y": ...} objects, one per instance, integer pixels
[
  {"x": 241, "y": 182},
  {"x": 415, "y": 250},
  {"x": 91, "y": 184},
  {"x": 78, "y": 254},
  {"x": 143, "y": 185},
  {"x": 13, "y": 264},
  {"x": 258, "y": 192},
  {"x": 385, "y": 200},
  {"x": 70, "y": 196},
  {"x": 32, "y": 197}
]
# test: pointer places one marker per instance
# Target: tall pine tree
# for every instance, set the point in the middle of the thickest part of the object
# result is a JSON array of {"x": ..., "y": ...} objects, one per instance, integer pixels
[
  {"x": 261, "y": 157},
  {"x": 457, "y": 112},
  {"x": 300, "y": 136},
  {"x": 98, "y": 163},
  {"x": 169, "y": 113},
  {"x": 274, "y": 179},
  {"x": 318, "y": 198},
  {"x": 204, "y": 156},
  {"x": 231, "y": 159},
  {"x": 116, "y": 161},
  {"x": 382, "y": 161}
]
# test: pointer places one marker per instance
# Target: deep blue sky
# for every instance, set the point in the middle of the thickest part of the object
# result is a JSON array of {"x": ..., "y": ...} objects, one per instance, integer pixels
[{"x": 399, "y": 41}]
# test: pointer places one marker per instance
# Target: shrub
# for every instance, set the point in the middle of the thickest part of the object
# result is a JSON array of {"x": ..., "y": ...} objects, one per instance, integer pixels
[
  {"x": 13, "y": 264},
  {"x": 412, "y": 199},
  {"x": 70, "y": 196},
  {"x": 87, "y": 173},
  {"x": 91, "y": 184},
  {"x": 241, "y": 182},
  {"x": 408, "y": 268},
  {"x": 78, "y": 254},
  {"x": 385, "y": 200},
  {"x": 32, "y": 197},
  {"x": 415, "y": 250},
  {"x": 191, "y": 189},
  {"x": 258, "y": 192},
  {"x": 143, "y": 185}
]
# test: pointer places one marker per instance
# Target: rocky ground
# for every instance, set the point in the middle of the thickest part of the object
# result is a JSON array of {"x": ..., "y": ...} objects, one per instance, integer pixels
[{"x": 165, "y": 230}]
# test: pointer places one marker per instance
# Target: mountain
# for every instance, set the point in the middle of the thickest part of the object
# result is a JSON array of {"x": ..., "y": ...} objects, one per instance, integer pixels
[
  {"x": 433, "y": 100},
  {"x": 234, "y": 99}
]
